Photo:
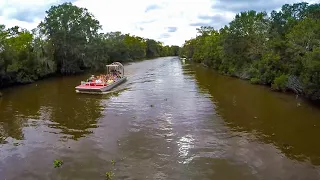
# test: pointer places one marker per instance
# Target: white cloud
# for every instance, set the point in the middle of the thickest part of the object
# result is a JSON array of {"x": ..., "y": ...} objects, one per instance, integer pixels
[
  {"x": 127, "y": 16},
  {"x": 14, "y": 22},
  {"x": 8, "y": 8}
]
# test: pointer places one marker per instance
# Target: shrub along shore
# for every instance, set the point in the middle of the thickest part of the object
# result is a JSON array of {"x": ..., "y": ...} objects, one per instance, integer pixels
[
  {"x": 67, "y": 42},
  {"x": 281, "y": 50}
]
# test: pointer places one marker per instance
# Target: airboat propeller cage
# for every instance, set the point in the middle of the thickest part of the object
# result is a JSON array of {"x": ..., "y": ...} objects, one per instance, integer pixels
[{"x": 115, "y": 66}]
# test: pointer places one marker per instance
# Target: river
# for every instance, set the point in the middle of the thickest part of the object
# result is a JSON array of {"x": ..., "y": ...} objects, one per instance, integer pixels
[{"x": 170, "y": 120}]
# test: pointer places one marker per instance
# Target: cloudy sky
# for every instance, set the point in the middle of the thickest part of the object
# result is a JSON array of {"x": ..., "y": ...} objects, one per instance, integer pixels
[{"x": 169, "y": 21}]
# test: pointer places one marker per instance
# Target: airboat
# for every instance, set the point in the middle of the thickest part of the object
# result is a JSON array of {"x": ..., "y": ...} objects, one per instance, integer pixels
[{"x": 104, "y": 83}]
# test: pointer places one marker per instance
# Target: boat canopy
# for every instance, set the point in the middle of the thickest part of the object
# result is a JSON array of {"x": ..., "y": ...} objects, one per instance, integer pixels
[{"x": 115, "y": 66}]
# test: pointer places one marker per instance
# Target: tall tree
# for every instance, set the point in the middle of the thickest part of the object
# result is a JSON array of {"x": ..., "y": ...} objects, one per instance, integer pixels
[
  {"x": 281, "y": 50},
  {"x": 70, "y": 29}
]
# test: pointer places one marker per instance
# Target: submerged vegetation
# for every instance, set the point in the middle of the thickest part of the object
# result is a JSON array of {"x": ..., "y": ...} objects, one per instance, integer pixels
[
  {"x": 109, "y": 175},
  {"x": 57, "y": 163},
  {"x": 281, "y": 50},
  {"x": 68, "y": 41}
]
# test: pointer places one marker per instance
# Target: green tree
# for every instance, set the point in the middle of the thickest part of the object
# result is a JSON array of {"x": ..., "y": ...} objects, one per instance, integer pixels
[
  {"x": 136, "y": 46},
  {"x": 153, "y": 48},
  {"x": 281, "y": 50},
  {"x": 67, "y": 42},
  {"x": 70, "y": 29}
]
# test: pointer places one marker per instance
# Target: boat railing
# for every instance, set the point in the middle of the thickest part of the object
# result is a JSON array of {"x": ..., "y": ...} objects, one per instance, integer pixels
[{"x": 94, "y": 83}]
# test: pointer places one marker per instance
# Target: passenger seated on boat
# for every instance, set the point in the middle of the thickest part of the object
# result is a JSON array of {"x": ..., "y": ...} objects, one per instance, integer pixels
[
  {"x": 91, "y": 79},
  {"x": 98, "y": 80},
  {"x": 108, "y": 76},
  {"x": 114, "y": 78},
  {"x": 103, "y": 78},
  {"x": 118, "y": 74},
  {"x": 110, "y": 81}
]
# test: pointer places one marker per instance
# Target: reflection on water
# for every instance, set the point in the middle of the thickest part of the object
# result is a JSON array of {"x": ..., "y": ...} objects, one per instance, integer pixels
[
  {"x": 270, "y": 116},
  {"x": 47, "y": 102},
  {"x": 170, "y": 120}
]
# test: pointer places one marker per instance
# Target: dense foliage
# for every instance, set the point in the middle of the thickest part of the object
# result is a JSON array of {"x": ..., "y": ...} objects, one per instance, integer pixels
[
  {"x": 281, "y": 50},
  {"x": 67, "y": 41}
]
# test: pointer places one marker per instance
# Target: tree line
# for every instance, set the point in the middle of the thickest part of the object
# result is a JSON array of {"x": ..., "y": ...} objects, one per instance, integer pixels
[
  {"x": 66, "y": 42},
  {"x": 281, "y": 49}
]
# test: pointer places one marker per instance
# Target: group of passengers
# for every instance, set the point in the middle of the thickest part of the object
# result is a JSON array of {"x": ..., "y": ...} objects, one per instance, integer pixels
[{"x": 108, "y": 78}]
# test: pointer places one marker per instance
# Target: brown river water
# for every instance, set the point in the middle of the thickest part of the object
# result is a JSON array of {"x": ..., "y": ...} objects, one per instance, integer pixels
[{"x": 169, "y": 120}]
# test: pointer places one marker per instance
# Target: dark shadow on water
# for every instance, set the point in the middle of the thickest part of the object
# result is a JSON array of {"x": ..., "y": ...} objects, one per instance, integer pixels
[
  {"x": 53, "y": 100},
  {"x": 292, "y": 125}
]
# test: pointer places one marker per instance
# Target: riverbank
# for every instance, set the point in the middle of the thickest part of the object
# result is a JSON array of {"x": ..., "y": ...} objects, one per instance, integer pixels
[
  {"x": 291, "y": 85},
  {"x": 26, "y": 56},
  {"x": 265, "y": 49},
  {"x": 55, "y": 75}
]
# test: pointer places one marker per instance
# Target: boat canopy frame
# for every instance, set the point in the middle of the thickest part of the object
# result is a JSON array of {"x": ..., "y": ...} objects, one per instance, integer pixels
[{"x": 115, "y": 66}]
